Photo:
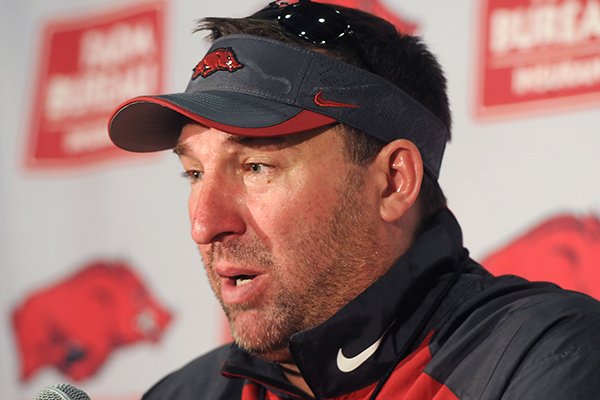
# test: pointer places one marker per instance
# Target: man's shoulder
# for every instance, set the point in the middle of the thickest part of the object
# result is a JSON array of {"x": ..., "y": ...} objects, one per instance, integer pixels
[
  {"x": 509, "y": 336},
  {"x": 537, "y": 311},
  {"x": 506, "y": 300},
  {"x": 545, "y": 308},
  {"x": 563, "y": 322},
  {"x": 561, "y": 359},
  {"x": 200, "y": 378}
]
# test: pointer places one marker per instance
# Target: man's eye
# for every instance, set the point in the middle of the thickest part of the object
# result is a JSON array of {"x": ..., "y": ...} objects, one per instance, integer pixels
[
  {"x": 256, "y": 167},
  {"x": 192, "y": 174}
]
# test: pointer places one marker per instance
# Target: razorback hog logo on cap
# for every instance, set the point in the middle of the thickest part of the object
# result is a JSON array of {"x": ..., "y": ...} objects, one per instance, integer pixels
[
  {"x": 74, "y": 325},
  {"x": 221, "y": 59}
]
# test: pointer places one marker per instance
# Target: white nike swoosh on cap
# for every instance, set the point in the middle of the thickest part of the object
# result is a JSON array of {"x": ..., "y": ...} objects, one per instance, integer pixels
[{"x": 346, "y": 364}]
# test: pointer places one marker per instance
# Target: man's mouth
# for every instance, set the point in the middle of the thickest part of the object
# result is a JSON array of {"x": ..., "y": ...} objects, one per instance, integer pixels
[
  {"x": 241, "y": 286},
  {"x": 241, "y": 280}
]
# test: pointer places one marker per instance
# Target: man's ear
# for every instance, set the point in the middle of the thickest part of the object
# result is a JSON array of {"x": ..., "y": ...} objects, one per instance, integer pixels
[{"x": 402, "y": 165}]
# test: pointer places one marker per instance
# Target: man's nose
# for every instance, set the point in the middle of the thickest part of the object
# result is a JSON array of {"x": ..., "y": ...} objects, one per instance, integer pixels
[{"x": 215, "y": 211}]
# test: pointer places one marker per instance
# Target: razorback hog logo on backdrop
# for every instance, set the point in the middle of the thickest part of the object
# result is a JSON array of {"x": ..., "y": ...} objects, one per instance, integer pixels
[
  {"x": 564, "y": 250},
  {"x": 75, "y": 324},
  {"x": 221, "y": 59}
]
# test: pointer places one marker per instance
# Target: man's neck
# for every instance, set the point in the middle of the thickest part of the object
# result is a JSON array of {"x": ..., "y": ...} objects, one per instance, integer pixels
[{"x": 292, "y": 373}]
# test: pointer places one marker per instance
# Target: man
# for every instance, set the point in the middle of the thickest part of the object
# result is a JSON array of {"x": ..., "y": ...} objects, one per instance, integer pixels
[{"x": 313, "y": 137}]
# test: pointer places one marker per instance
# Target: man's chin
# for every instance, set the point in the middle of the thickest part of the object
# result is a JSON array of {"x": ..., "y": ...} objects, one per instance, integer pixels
[
  {"x": 281, "y": 355},
  {"x": 260, "y": 339}
]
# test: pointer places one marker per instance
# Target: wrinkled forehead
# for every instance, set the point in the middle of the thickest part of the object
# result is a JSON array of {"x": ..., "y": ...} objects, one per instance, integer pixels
[{"x": 191, "y": 129}]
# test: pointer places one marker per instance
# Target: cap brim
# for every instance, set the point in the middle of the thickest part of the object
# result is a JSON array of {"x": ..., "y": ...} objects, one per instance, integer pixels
[{"x": 153, "y": 123}]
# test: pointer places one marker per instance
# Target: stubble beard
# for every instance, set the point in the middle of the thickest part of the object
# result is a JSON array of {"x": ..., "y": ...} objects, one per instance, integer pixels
[{"x": 332, "y": 261}]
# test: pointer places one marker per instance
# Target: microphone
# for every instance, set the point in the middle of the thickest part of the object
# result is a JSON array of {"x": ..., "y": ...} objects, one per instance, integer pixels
[{"x": 62, "y": 391}]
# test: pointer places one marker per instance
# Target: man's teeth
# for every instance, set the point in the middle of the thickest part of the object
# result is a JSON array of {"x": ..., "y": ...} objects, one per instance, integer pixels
[{"x": 240, "y": 281}]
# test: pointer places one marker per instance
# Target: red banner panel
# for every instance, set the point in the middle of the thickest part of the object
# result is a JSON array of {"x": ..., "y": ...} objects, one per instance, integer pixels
[
  {"x": 88, "y": 66},
  {"x": 377, "y": 7},
  {"x": 536, "y": 55}
]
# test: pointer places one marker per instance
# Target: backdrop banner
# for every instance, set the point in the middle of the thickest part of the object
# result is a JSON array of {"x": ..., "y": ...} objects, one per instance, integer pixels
[{"x": 103, "y": 286}]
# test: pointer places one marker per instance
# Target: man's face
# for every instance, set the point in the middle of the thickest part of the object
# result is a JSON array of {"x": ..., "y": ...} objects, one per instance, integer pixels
[{"x": 286, "y": 228}]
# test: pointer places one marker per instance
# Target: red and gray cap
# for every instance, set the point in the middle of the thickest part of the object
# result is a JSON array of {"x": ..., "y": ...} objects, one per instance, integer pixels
[{"x": 254, "y": 86}]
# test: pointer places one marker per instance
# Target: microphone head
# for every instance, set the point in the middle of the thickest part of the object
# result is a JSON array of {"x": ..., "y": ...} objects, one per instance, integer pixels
[{"x": 62, "y": 391}]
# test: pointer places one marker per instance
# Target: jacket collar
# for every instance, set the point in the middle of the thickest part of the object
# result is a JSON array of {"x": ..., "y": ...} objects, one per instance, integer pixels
[{"x": 356, "y": 346}]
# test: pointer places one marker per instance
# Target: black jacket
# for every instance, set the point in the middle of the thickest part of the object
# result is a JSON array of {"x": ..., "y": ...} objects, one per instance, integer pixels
[{"x": 448, "y": 330}]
